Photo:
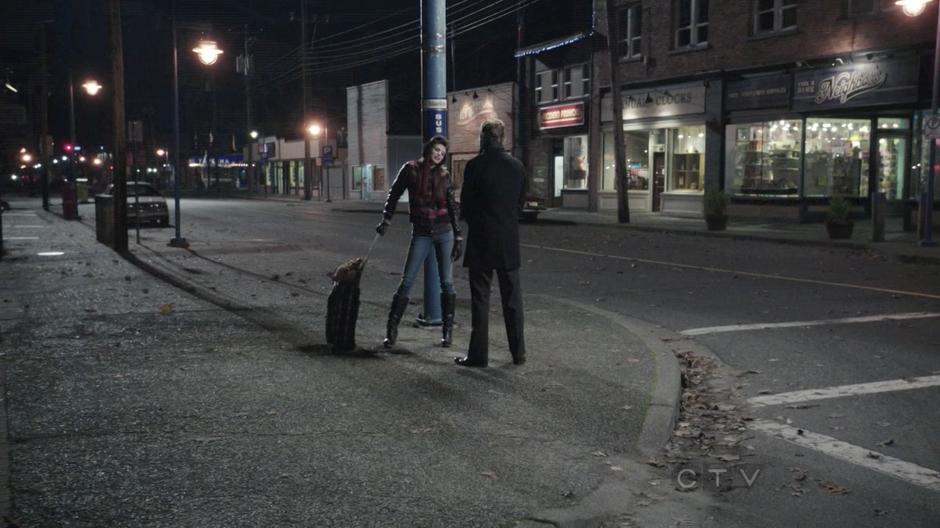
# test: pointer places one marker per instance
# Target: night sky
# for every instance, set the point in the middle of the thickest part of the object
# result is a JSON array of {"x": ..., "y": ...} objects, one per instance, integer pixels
[{"x": 353, "y": 42}]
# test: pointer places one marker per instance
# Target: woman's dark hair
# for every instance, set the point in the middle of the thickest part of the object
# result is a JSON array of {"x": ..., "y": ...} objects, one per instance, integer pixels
[{"x": 435, "y": 140}]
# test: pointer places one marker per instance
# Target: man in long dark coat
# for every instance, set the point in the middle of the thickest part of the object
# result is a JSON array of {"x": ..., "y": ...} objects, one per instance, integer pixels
[{"x": 491, "y": 201}]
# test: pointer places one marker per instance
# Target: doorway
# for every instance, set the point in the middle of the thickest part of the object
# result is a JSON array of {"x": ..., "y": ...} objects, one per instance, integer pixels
[
  {"x": 559, "y": 179},
  {"x": 892, "y": 155},
  {"x": 659, "y": 179}
]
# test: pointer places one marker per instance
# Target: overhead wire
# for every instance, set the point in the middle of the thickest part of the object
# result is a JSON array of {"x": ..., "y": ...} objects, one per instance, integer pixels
[{"x": 360, "y": 57}]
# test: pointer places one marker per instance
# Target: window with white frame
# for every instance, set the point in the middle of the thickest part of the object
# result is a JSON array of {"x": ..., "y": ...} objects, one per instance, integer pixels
[
  {"x": 771, "y": 16},
  {"x": 630, "y": 30},
  {"x": 539, "y": 91},
  {"x": 554, "y": 75},
  {"x": 568, "y": 78},
  {"x": 692, "y": 23}
]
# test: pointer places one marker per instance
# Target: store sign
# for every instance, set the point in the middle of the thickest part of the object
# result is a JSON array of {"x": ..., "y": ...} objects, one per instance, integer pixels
[
  {"x": 864, "y": 84},
  {"x": 666, "y": 101},
  {"x": 560, "y": 116},
  {"x": 761, "y": 92}
]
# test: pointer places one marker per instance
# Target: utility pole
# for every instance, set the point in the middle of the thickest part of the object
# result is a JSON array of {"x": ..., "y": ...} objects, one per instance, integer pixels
[
  {"x": 308, "y": 168},
  {"x": 620, "y": 155},
  {"x": 246, "y": 65},
  {"x": 44, "y": 145},
  {"x": 434, "y": 119},
  {"x": 120, "y": 162},
  {"x": 522, "y": 91}
]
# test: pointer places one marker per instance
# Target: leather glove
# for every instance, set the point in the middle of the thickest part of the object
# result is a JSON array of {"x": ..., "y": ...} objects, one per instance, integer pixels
[
  {"x": 382, "y": 227},
  {"x": 456, "y": 253}
]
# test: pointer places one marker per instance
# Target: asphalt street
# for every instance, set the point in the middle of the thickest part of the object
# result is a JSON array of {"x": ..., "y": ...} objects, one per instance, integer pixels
[{"x": 779, "y": 319}]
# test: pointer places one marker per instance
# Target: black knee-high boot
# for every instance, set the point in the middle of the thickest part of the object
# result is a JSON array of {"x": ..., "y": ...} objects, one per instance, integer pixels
[
  {"x": 399, "y": 304},
  {"x": 448, "y": 302}
]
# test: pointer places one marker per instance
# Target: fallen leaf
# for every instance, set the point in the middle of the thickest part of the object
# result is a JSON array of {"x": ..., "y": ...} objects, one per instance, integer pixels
[
  {"x": 727, "y": 458},
  {"x": 876, "y": 456},
  {"x": 765, "y": 391},
  {"x": 887, "y": 442},
  {"x": 616, "y": 468},
  {"x": 655, "y": 463},
  {"x": 599, "y": 454},
  {"x": 489, "y": 474},
  {"x": 879, "y": 512},
  {"x": 166, "y": 309},
  {"x": 883, "y": 424},
  {"x": 746, "y": 372},
  {"x": 802, "y": 406},
  {"x": 834, "y": 489}
]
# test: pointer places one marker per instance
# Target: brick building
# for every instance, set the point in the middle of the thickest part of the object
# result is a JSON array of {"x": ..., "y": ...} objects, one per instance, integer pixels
[{"x": 781, "y": 103}]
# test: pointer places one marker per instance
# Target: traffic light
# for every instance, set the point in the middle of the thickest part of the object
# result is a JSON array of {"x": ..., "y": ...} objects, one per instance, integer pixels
[{"x": 68, "y": 147}]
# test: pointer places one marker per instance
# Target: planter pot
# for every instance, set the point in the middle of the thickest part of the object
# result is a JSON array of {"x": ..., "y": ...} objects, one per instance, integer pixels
[
  {"x": 716, "y": 222},
  {"x": 839, "y": 229}
]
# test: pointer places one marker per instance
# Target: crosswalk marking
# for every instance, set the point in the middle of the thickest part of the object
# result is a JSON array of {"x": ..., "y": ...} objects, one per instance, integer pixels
[
  {"x": 801, "y": 324},
  {"x": 860, "y": 456},
  {"x": 845, "y": 390}
]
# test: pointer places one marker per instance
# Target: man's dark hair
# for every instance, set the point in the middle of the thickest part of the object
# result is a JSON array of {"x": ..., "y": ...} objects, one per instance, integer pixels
[{"x": 492, "y": 133}]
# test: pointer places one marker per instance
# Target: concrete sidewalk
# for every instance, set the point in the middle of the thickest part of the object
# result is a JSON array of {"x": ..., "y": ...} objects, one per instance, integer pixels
[{"x": 131, "y": 402}]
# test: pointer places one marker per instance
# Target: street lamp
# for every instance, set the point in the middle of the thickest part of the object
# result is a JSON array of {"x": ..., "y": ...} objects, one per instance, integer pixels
[
  {"x": 92, "y": 87},
  {"x": 913, "y": 8},
  {"x": 253, "y": 134},
  {"x": 208, "y": 53},
  {"x": 315, "y": 130}
]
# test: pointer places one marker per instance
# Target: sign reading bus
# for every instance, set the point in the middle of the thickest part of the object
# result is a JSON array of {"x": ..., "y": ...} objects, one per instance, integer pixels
[{"x": 560, "y": 116}]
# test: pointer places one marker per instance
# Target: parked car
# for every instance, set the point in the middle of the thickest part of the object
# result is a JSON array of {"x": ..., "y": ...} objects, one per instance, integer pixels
[{"x": 153, "y": 209}]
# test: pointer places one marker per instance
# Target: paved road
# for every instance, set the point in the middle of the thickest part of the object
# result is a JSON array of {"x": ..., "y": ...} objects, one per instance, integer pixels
[{"x": 856, "y": 328}]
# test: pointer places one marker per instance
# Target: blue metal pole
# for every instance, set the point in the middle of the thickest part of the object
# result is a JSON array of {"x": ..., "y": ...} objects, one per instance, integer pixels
[{"x": 434, "y": 120}]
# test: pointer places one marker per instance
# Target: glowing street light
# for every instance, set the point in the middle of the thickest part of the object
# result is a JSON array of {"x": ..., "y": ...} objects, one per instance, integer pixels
[
  {"x": 314, "y": 129},
  {"x": 26, "y": 157},
  {"x": 253, "y": 134},
  {"x": 208, "y": 52},
  {"x": 912, "y": 8},
  {"x": 92, "y": 87},
  {"x": 161, "y": 153}
]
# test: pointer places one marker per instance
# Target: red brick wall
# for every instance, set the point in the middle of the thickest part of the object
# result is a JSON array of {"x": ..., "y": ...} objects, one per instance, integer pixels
[{"x": 823, "y": 30}]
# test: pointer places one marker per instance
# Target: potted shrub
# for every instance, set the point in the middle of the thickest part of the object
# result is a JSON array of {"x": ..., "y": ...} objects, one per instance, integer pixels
[
  {"x": 716, "y": 206},
  {"x": 839, "y": 223}
]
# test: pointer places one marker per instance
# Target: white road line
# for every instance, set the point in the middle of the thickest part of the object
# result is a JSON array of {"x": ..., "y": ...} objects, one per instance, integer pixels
[
  {"x": 21, "y": 238},
  {"x": 24, "y": 225},
  {"x": 820, "y": 322},
  {"x": 860, "y": 456},
  {"x": 907, "y": 293},
  {"x": 845, "y": 390},
  {"x": 19, "y": 214}
]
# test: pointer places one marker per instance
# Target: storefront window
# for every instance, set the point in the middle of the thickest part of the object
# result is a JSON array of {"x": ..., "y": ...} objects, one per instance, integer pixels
[
  {"x": 921, "y": 169},
  {"x": 607, "y": 183},
  {"x": 688, "y": 158},
  {"x": 764, "y": 158},
  {"x": 576, "y": 164},
  {"x": 837, "y": 152}
]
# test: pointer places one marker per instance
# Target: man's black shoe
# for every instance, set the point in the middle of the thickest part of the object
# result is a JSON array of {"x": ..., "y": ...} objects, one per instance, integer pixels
[
  {"x": 518, "y": 360},
  {"x": 467, "y": 362}
]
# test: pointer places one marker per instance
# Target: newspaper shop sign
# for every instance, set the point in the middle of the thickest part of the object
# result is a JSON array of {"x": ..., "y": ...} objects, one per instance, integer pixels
[{"x": 559, "y": 116}]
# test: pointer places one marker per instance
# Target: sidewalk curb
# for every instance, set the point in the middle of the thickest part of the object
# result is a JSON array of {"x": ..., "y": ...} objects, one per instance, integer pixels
[{"x": 664, "y": 399}]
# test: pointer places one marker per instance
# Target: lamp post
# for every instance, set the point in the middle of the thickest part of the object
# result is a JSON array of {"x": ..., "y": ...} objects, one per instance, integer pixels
[
  {"x": 208, "y": 53},
  {"x": 314, "y": 129},
  {"x": 70, "y": 211},
  {"x": 914, "y": 8}
]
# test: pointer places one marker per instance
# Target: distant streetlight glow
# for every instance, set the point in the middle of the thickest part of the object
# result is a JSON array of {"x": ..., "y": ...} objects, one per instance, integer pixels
[
  {"x": 96, "y": 161},
  {"x": 912, "y": 8},
  {"x": 208, "y": 52},
  {"x": 92, "y": 87},
  {"x": 161, "y": 152},
  {"x": 253, "y": 134},
  {"x": 314, "y": 129},
  {"x": 26, "y": 157}
]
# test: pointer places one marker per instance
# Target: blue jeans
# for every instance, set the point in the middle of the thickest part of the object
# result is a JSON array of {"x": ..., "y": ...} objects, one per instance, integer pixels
[{"x": 421, "y": 245}]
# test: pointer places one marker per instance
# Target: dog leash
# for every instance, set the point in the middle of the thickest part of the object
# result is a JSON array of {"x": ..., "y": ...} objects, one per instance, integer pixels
[{"x": 372, "y": 245}]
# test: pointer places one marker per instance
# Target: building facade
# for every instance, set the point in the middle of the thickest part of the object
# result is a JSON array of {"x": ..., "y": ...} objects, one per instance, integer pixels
[{"x": 782, "y": 104}]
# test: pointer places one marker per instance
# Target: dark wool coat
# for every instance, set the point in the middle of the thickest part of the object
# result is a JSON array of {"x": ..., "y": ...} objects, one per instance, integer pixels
[{"x": 491, "y": 200}]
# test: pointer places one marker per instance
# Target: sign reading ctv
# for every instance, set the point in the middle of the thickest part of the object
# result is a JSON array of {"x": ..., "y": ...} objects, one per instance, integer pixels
[{"x": 559, "y": 116}]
